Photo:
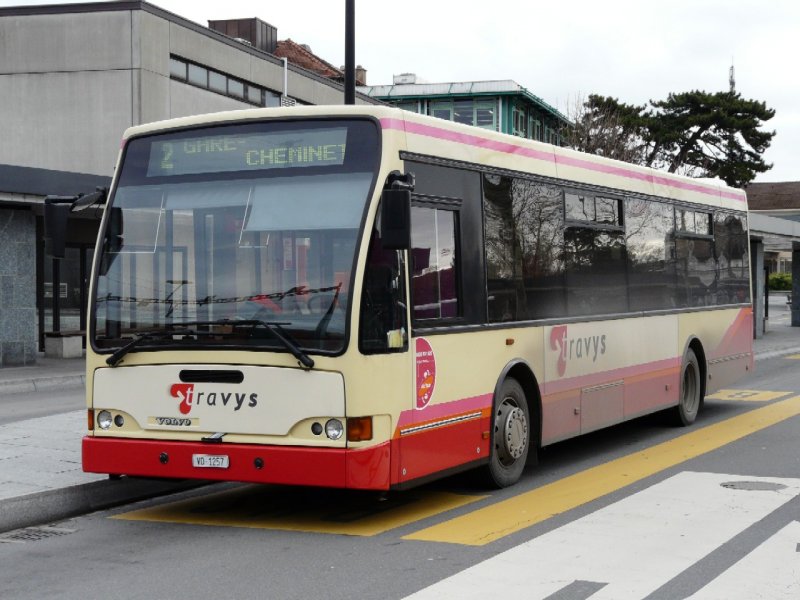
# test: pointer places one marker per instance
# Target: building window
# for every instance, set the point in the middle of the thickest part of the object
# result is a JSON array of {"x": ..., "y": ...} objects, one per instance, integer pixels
[
  {"x": 221, "y": 83},
  {"x": 442, "y": 109},
  {"x": 409, "y": 106},
  {"x": 535, "y": 129},
  {"x": 235, "y": 88},
  {"x": 177, "y": 69},
  {"x": 486, "y": 115},
  {"x": 271, "y": 98},
  {"x": 463, "y": 112},
  {"x": 198, "y": 75},
  {"x": 480, "y": 113},
  {"x": 520, "y": 123},
  {"x": 218, "y": 82}
]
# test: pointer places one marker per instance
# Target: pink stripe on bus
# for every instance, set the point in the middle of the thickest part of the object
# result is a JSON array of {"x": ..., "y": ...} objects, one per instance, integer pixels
[{"x": 517, "y": 150}]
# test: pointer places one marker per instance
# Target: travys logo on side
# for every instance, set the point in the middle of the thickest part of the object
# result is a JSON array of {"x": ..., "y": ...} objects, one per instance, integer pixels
[
  {"x": 426, "y": 372},
  {"x": 581, "y": 348},
  {"x": 190, "y": 397}
]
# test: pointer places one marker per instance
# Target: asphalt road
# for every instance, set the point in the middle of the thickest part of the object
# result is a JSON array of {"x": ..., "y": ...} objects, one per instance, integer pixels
[
  {"x": 642, "y": 510},
  {"x": 29, "y": 405}
]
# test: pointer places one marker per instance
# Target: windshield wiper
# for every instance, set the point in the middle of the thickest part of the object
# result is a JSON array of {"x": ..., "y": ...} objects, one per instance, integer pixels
[
  {"x": 144, "y": 336},
  {"x": 277, "y": 330}
]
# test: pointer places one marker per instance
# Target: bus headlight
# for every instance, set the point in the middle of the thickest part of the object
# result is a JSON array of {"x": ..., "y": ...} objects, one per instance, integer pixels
[
  {"x": 333, "y": 429},
  {"x": 104, "y": 419}
]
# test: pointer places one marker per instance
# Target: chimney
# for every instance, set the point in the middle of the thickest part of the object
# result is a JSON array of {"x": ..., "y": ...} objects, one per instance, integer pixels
[
  {"x": 255, "y": 32},
  {"x": 361, "y": 75}
]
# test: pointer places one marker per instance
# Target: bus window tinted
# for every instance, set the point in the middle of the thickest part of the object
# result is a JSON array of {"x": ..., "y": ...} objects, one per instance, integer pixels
[
  {"x": 524, "y": 229},
  {"x": 434, "y": 275}
]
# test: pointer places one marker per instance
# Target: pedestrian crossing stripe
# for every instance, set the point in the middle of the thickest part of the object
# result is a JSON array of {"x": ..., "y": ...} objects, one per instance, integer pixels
[
  {"x": 631, "y": 548},
  {"x": 770, "y": 571},
  {"x": 746, "y": 395}
]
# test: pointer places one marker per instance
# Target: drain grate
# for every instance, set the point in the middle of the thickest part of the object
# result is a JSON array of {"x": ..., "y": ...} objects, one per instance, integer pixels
[
  {"x": 754, "y": 486},
  {"x": 32, "y": 534}
]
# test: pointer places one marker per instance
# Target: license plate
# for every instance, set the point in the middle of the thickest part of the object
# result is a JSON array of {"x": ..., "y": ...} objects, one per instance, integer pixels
[{"x": 210, "y": 461}]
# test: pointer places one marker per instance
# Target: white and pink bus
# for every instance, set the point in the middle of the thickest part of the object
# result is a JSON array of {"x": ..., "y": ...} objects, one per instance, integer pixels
[{"x": 362, "y": 297}]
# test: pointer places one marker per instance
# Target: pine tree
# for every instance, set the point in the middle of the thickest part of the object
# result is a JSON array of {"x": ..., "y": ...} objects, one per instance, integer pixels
[{"x": 693, "y": 133}]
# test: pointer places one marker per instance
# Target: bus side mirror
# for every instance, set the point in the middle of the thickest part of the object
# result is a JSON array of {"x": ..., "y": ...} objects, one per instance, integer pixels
[
  {"x": 396, "y": 219},
  {"x": 56, "y": 211}
]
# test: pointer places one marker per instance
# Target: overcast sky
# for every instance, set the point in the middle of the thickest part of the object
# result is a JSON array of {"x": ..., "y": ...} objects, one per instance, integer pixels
[{"x": 634, "y": 50}]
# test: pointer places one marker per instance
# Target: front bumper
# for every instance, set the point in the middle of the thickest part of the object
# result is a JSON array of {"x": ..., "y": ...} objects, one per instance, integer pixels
[{"x": 363, "y": 468}]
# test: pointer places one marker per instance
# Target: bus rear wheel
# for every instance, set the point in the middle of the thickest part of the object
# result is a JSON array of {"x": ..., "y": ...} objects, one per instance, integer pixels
[
  {"x": 691, "y": 393},
  {"x": 510, "y": 437}
]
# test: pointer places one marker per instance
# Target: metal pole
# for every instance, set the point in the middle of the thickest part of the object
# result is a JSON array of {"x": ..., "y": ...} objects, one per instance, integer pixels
[
  {"x": 285, "y": 77},
  {"x": 350, "y": 52},
  {"x": 56, "y": 295}
]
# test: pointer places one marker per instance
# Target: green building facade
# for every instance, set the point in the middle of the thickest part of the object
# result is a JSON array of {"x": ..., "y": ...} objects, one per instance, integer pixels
[{"x": 503, "y": 106}]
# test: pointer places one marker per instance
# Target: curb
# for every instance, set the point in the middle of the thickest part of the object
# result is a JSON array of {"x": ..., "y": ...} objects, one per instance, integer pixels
[
  {"x": 776, "y": 353},
  {"x": 64, "y": 503},
  {"x": 42, "y": 384}
]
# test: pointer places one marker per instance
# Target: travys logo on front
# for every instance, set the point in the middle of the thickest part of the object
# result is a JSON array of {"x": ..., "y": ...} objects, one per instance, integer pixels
[
  {"x": 190, "y": 397},
  {"x": 581, "y": 348}
]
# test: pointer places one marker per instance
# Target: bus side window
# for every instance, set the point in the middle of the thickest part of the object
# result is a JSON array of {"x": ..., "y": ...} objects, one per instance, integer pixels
[
  {"x": 434, "y": 274},
  {"x": 383, "y": 326}
]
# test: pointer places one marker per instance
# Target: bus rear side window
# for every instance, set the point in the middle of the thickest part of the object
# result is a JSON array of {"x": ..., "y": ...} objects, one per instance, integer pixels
[{"x": 434, "y": 276}]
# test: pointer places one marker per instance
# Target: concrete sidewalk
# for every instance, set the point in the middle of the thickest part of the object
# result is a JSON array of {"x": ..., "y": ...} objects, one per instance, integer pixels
[{"x": 40, "y": 459}]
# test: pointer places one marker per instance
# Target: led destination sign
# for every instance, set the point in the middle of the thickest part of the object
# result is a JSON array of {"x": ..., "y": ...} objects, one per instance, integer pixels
[{"x": 256, "y": 151}]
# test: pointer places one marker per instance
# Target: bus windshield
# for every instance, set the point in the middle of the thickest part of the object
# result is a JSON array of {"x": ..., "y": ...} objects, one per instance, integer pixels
[{"x": 226, "y": 234}]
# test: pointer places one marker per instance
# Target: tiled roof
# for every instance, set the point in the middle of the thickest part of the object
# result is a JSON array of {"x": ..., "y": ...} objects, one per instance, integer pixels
[
  {"x": 303, "y": 57},
  {"x": 773, "y": 196}
]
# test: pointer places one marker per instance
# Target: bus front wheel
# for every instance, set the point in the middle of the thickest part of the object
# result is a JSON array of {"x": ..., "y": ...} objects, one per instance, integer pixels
[
  {"x": 510, "y": 435},
  {"x": 691, "y": 392}
]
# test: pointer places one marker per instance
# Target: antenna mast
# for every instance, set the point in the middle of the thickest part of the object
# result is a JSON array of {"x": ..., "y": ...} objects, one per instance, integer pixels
[{"x": 732, "y": 79}]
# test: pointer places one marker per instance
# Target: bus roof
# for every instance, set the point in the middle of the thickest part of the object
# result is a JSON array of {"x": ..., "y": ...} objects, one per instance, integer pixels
[{"x": 430, "y": 136}]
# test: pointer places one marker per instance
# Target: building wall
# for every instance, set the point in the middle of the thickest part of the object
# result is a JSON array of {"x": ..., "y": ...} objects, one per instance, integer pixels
[
  {"x": 65, "y": 85},
  {"x": 18, "y": 344},
  {"x": 70, "y": 84}
]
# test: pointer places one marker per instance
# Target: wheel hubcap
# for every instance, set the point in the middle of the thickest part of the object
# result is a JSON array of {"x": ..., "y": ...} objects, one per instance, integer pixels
[{"x": 511, "y": 432}]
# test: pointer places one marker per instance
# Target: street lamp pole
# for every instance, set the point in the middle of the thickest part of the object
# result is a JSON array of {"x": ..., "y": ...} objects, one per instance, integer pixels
[{"x": 350, "y": 52}]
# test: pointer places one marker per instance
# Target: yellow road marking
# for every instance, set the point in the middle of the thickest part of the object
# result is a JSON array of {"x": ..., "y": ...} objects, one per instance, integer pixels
[
  {"x": 793, "y": 356},
  {"x": 508, "y": 516},
  {"x": 317, "y": 511},
  {"x": 746, "y": 395}
]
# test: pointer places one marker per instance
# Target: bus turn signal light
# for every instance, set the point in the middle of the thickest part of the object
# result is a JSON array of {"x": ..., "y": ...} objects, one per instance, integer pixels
[
  {"x": 359, "y": 429},
  {"x": 91, "y": 419}
]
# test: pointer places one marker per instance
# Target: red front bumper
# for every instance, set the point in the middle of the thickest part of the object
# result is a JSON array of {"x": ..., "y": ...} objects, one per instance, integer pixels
[{"x": 366, "y": 468}]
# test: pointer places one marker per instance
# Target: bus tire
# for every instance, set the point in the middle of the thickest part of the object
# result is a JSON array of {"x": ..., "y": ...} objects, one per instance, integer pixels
[
  {"x": 510, "y": 436},
  {"x": 691, "y": 391}
]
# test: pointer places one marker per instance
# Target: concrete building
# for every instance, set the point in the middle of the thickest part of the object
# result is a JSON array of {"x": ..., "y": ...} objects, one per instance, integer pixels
[
  {"x": 503, "y": 106},
  {"x": 73, "y": 77}
]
